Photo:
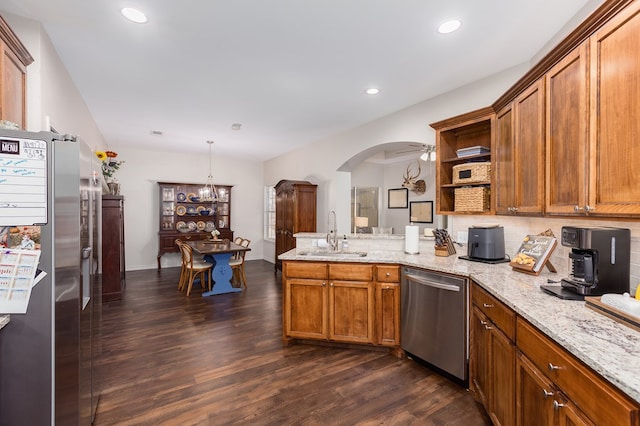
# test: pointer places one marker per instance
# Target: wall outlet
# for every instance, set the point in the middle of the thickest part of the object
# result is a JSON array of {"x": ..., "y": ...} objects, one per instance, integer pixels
[
  {"x": 462, "y": 237},
  {"x": 314, "y": 243}
]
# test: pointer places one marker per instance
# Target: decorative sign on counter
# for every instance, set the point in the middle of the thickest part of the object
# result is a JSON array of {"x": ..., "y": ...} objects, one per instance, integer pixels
[
  {"x": 18, "y": 270},
  {"x": 23, "y": 181}
]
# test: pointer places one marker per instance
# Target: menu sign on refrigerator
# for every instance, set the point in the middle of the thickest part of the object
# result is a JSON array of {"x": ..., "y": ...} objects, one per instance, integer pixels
[{"x": 23, "y": 181}]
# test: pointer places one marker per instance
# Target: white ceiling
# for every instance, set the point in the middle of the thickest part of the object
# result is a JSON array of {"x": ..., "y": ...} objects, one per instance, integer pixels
[{"x": 290, "y": 71}]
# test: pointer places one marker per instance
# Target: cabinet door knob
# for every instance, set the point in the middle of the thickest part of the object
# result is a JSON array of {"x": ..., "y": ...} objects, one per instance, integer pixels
[
  {"x": 577, "y": 209},
  {"x": 331, "y": 284},
  {"x": 324, "y": 284},
  {"x": 515, "y": 209},
  {"x": 388, "y": 274},
  {"x": 487, "y": 305},
  {"x": 546, "y": 393},
  {"x": 553, "y": 367},
  {"x": 557, "y": 405},
  {"x": 486, "y": 327},
  {"x": 387, "y": 288},
  {"x": 589, "y": 209},
  {"x": 483, "y": 322}
]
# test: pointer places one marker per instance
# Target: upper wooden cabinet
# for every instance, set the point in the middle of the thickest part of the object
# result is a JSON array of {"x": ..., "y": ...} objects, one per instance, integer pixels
[
  {"x": 14, "y": 59},
  {"x": 520, "y": 144},
  {"x": 614, "y": 188},
  {"x": 567, "y": 149},
  {"x": 295, "y": 212},
  {"x": 464, "y": 131}
]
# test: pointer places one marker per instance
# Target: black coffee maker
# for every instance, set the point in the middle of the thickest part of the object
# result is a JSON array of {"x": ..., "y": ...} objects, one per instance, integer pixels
[{"x": 599, "y": 262}]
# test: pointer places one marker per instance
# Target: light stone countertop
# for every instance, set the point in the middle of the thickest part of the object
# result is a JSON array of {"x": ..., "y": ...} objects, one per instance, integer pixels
[
  {"x": 4, "y": 320},
  {"x": 608, "y": 347}
]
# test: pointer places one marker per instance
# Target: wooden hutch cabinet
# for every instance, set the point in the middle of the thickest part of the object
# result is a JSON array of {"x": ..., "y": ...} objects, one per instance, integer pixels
[
  {"x": 113, "y": 260},
  {"x": 295, "y": 212},
  {"x": 183, "y": 215},
  {"x": 14, "y": 60}
]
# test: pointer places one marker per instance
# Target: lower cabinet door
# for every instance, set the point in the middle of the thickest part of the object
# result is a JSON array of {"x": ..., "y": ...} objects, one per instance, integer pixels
[
  {"x": 535, "y": 395},
  {"x": 479, "y": 362},
  {"x": 388, "y": 314},
  {"x": 305, "y": 308},
  {"x": 502, "y": 363},
  {"x": 351, "y": 311}
]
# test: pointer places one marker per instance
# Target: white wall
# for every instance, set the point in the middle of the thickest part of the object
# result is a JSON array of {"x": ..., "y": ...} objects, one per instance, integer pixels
[{"x": 138, "y": 179}]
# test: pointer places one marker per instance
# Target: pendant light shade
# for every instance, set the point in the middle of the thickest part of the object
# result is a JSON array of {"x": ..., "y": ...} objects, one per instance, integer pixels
[{"x": 209, "y": 192}]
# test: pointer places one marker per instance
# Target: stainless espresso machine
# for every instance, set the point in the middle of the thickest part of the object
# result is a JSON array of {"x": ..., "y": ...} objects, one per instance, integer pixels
[{"x": 599, "y": 262}]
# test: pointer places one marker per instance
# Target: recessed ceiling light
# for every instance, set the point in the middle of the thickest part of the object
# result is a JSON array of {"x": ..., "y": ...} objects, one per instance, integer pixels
[
  {"x": 449, "y": 26},
  {"x": 134, "y": 15},
  {"x": 372, "y": 91}
]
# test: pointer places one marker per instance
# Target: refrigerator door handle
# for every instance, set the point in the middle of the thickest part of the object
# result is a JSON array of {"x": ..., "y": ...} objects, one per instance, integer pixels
[
  {"x": 422, "y": 281},
  {"x": 86, "y": 276}
]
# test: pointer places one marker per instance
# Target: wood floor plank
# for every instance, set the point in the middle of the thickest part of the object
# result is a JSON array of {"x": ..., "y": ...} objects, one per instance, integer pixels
[{"x": 168, "y": 359}]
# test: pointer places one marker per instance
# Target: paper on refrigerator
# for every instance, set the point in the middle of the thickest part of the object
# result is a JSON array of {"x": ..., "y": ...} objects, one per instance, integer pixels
[{"x": 18, "y": 274}]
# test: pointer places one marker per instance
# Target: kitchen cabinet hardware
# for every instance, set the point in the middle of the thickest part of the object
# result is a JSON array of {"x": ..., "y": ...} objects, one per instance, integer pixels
[
  {"x": 547, "y": 394},
  {"x": 487, "y": 305},
  {"x": 552, "y": 367},
  {"x": 557, "y": 405}
]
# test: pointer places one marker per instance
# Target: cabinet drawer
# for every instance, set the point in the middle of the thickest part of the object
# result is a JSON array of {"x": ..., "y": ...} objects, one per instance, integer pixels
[
  {"x": 599, "y": 400},
  {"x": 388, "y": 273},
  {"x": 351, "y": 271},
  {"x": 309, "y": 270},
  {"x": 499, "y": 313}
]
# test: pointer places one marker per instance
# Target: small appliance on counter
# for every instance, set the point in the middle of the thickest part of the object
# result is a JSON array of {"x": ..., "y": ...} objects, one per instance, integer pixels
[
  {"x": 485, "y": 243},
  {"x": 599, "y": 262}
]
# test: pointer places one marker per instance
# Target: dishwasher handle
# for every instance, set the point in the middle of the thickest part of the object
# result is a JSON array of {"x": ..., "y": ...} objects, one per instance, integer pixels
[{"x": 419, "y": 280}]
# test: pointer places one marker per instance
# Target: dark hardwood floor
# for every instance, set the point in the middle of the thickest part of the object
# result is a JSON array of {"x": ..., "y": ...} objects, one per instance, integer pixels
[{"x": 177, "y": 360}]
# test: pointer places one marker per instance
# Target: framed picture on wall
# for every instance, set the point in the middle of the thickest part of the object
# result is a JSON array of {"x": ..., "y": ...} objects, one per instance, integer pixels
[
  {"x": 398, "y": 198},
  {"x": 421, "y": 212}
]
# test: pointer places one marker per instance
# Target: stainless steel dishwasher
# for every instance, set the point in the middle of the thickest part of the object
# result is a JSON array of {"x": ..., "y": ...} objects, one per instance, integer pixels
[{"x": 435, "y": 319}]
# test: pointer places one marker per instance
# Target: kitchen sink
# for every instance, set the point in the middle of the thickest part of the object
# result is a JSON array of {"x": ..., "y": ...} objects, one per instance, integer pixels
[{"x": 339, "y": 254}]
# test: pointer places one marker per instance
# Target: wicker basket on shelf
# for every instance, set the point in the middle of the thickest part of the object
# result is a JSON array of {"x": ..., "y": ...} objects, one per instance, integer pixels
[
  {"x": 472, "y": 199},
  {"x": 472, "y": 172}
]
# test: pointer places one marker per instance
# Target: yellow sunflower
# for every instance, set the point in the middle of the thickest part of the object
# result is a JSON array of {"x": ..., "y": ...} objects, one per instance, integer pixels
[{"x": 101, "y": 155}]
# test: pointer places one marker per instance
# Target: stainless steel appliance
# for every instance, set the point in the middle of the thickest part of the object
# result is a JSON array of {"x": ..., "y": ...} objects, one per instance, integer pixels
[
  {"x": 46, "y": 355},
  {"x": 599, "y": 262},
  {"x": 435, "y": 318}
]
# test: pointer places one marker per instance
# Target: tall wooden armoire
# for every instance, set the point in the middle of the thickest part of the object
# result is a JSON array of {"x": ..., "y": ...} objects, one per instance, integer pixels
[
  {"x": 113, "y": 266},
  {"x": 295, "y": 212}
]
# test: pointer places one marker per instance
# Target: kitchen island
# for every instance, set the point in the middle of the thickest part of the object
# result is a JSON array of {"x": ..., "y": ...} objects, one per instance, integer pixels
[{"x": 609, "y": 348}]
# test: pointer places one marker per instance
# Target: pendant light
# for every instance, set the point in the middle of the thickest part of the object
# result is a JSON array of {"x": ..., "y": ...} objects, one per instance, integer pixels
[{"x": 209, "y": 192}]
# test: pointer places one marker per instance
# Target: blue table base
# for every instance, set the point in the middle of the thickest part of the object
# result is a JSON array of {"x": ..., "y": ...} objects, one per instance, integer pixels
[{"x": 221, "y": 274}]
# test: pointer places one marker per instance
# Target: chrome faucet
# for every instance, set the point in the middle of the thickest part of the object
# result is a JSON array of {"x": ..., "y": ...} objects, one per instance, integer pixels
[{"x": 332, "y": 235}]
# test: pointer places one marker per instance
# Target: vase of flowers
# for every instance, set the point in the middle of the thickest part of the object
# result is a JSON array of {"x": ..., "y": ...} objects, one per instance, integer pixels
[
  {"x": 215, "y": 234},
  {"x": 109, "y": 166}
]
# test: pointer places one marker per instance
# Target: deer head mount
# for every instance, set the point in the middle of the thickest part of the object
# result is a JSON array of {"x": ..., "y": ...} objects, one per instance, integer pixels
[{"x": 410, "y": 182}]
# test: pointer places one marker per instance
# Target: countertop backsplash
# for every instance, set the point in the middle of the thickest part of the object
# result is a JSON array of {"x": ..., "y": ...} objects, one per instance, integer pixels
[{"x": 515, "y": 228}]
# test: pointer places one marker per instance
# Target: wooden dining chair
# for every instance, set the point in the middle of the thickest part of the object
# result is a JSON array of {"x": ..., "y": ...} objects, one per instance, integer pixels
[
  {"x": 194, "y": 269},
  {"x": 183, "y": 270},
  {"x": 237, "y": 264}
]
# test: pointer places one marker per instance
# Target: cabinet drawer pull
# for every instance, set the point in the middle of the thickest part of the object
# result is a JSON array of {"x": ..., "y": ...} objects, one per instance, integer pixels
[
  {"x": 487, "y": 305},
  {"x": 324, "y": 284},
  {"x": 387, "y": 288},
  {"x": 557, "y": 405},
  {"x": 331, "y": 284},
  {"x": 553, "y": 367},
  {"x": 487, "y": 327},
  {"x": 546, "y": 393},
  {"x": 388, "y": 274},
  {"x": 483, "y": 322}
]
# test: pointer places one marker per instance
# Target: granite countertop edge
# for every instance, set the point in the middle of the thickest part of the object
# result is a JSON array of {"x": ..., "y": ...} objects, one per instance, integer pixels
[
  {"x": 610, "y": 348},
  {"x": 4, "y": 320}
]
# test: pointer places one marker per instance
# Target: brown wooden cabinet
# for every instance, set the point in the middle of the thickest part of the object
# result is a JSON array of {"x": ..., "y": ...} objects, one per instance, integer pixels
[
  {"x": 614, "y": 115},
  {"x": 14, "y": 59},
  {"x": 523, "y": 377},
  {"x": 493, "y": 355},
  {"x": 464, "y": 131},
  {"x": 388, "y": 305},
  {"x": 520, "y": 179},
  {"x": 295, "y": 212},
  {"x": 183, "y": 215},
  {"x": 567, "y": 150},
  {"x": 113, "y": 258},
  {"x": 578, "y": 394},
  {"x": 341, "y": 302}
]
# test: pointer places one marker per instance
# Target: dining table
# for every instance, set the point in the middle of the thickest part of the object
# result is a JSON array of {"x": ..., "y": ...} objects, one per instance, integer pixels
[{"x": 219, "y": 252}]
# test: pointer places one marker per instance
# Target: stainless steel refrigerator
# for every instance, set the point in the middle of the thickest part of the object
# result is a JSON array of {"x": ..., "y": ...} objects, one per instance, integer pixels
[{"x": 48, "y": 355}]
